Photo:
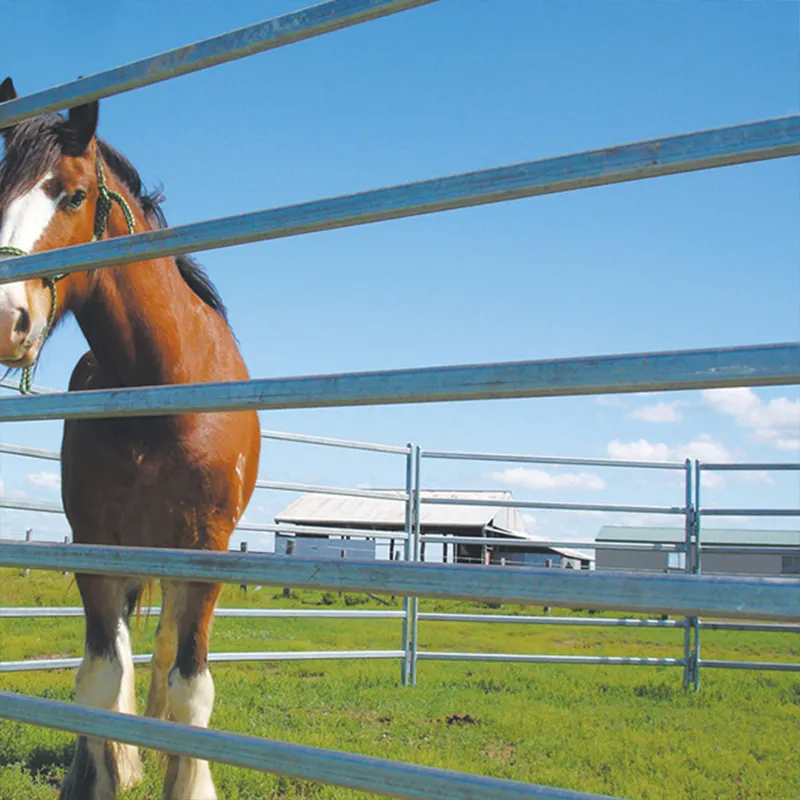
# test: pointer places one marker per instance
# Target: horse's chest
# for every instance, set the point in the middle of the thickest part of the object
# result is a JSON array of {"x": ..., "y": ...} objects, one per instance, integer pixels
[{"x": 156, "y": 491}]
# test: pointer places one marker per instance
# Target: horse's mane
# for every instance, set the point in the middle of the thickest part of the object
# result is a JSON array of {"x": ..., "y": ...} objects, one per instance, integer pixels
[
  {"x": 194, "y": 275},
  {"x": 34, "y": 146}
]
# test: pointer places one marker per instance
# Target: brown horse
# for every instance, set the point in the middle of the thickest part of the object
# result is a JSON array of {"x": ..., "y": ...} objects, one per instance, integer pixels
[{"x": 178, "y": 481}]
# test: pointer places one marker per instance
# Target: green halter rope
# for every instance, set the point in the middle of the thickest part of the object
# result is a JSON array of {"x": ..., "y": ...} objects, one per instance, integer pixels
[{"x": 105, "y": 200}]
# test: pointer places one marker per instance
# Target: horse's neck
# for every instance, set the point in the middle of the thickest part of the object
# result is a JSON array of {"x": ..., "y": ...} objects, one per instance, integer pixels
[{"x": 146, "y": 326}]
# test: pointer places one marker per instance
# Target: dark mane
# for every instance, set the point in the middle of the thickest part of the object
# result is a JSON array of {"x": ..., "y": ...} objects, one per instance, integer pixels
[
  {"x": 35, "y": 146},
  {"x": 190, "y": 270}
]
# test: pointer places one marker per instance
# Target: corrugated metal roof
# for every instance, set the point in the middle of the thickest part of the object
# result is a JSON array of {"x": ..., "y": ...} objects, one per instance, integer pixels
[
  {"x": 624, "y": 533},
  {"x": 373, "y": 513}
]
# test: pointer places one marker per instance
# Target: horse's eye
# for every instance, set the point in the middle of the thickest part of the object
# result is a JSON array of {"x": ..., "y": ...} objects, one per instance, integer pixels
[{"x": 76, "y": 198}]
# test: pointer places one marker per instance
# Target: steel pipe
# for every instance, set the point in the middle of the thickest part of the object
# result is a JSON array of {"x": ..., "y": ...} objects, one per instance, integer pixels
[
  {"x": 738, "y": 144},
  {"x": 761, "y": 365},
  {"x": 269, "y": 35},
  {"x": 677, "y": 595}
]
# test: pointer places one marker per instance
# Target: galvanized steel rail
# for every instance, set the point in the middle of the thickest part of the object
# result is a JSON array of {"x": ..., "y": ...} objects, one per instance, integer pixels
[
  {"x": 760, "y": 365},
  {"x": 363, "y": 773},
  {"x": 295, "y": 26},
  {"x": 739, "y": 144},
  {"x": 707, "y": 595}
]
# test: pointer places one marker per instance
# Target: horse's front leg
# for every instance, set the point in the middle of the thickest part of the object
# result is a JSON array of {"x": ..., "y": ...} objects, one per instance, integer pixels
[
  {"x": 190, "y": 689},
  {"x": 105, "y": 680}
]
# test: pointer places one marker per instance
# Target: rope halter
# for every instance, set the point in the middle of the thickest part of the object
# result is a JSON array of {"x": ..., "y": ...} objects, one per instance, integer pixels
[{"x": 105, "y": 200}]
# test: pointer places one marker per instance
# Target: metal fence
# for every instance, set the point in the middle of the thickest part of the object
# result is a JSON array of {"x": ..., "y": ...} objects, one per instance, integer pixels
[
  {"x": 684, "y": 595},
  {"x": 414, "y": 541}
]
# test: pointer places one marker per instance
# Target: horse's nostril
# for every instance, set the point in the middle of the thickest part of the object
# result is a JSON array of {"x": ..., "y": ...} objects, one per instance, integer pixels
[{"x": 23, "y": 325}]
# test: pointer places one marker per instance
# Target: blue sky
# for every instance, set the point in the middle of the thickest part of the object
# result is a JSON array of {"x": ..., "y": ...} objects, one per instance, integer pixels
[{"x": 698, "y": 260}]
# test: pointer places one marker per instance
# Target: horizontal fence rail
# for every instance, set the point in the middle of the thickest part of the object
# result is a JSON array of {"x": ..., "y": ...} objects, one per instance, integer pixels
[
  {"x": 29, "y": 452},
  {"x": 374, "y": 494},
  {"x": 40, "y": 664},
  {"x": 694, "y": 595},
  {"x": 454, "y": 455},
  {"x": 326, "y": 441},
  {"x": 363, "y": 773},
  {"x": 715, "y": 148},
  {"x": 669, "y": 547},
  {"x": 456, "y": 501},
  {"x": 269, "y": 35},
  {"x": 762, "y": 365}
]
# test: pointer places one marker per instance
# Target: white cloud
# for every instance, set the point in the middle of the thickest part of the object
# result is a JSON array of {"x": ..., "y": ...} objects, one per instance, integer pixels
[
  {"x": 50, "y": 480},
  {"x": 546, "y": 481},
  {"x": 712, "y": 480},
  {"x": 659, "y": 412},
  {"x": 775, "y": 423},
  {"x": 611, "y": 400},
  {"x": 702, "y": 448},
  {"x": 640, "y": 450}
]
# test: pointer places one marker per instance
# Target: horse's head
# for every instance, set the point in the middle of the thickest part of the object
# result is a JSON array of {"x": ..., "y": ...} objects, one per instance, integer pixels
[{"x": 48, "y": 194}]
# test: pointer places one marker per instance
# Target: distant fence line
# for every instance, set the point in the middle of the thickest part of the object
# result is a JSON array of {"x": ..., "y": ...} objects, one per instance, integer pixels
[
  {"x": 691, "y": 596},
  {"x": 409, "y": 654}
]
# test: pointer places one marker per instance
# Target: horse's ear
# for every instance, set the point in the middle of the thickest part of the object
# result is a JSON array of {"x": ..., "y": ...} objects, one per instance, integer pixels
[
  {"x": 80, "y": 129},
  {"x": 7, "y": 92}
]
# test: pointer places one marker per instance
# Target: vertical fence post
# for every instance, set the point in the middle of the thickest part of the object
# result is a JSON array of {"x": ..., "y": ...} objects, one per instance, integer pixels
[
  {"x": 28, "y": 538},
  {"x": 243, "y": 548},
  {"x": 405, "y": 666},
  {"x": 696, "y": 568},
  {"x": 416, "y": 516},
  {"x": 688, "y": 557},
  {"x": 66, "y": 541}
]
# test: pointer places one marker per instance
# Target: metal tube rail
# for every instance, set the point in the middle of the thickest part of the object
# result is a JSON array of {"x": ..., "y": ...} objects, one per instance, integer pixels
[
  {"x": 353, "y": 533},
  {"x": 29, "y": 452},
  {"x": 31, "y": 505},
  {"x": 749, "y": 512},
  {"x": 670, "y": 547},
  {"x": 760, "y": 365},
  {"x": 745, "y": 549},
  {"x": 677, "y": 595},
  {"x": 268, "y": 35},
  {"x": 770, "y": 665},
  {"x": 39, "y": 664},
  {"x": 454, "y": 455},
  {"x": 328, "y": 442},
  {"x": 773, "y": 466},
  {"x": 398, "y": 496},
  {"x": 28, "y": 612},
  {"x": 551, "y": 506},
  {"x": 749, "y": 626},
  {"x": 511, "y": 619},
  {"x": 739, "y": 144},
  {"x": 524, "y": 658},
  {"x": 363, "y": 773}
]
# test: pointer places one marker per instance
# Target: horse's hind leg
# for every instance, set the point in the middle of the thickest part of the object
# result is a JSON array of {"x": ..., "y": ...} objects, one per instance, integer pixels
[
  {"x": 190, "y": 689},
  {"x": 105, "y": 680}
]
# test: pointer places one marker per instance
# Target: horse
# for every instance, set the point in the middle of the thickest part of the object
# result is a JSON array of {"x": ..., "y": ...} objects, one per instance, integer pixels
[{"x": 180, "y": 481}]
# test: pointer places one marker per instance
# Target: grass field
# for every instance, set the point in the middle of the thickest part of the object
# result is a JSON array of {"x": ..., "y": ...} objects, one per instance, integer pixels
[{"x": 626, "y": 731}]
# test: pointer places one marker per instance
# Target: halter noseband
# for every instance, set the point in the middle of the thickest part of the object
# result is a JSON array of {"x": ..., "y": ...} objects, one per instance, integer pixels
[{"x": 105, "y": 200}]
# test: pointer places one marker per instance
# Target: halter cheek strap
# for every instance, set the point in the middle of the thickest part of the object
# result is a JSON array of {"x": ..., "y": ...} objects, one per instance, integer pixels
[{"x": 105, "y": 200}]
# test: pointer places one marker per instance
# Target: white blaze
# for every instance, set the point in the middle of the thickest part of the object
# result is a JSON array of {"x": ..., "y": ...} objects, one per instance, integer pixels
[{"x": 23, "y": 222}]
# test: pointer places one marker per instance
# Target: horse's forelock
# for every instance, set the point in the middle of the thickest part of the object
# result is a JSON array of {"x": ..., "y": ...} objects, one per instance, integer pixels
[{"x": 32, "y": 149}]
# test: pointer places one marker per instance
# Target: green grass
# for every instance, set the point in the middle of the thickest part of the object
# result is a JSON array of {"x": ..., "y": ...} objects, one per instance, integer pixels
[{"x": 626, "y": 731}]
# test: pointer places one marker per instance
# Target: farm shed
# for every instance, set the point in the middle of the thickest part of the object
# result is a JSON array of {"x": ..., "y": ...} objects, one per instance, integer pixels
[
  {"x": 492, "y": 521},
  {"x": 757, "y": 562}
]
